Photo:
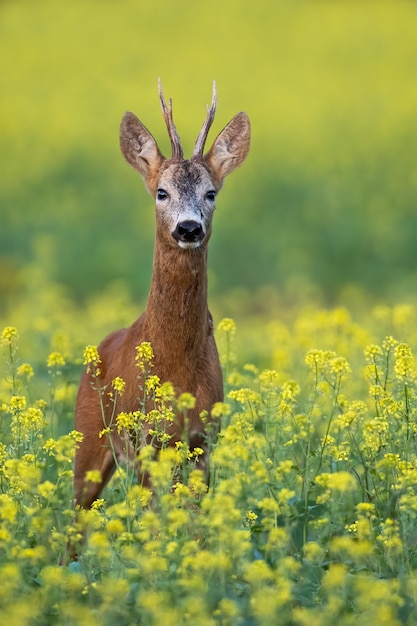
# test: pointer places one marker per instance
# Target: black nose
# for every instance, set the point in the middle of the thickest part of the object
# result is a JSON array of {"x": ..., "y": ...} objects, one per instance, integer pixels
[{"x": 188, "y": 231}]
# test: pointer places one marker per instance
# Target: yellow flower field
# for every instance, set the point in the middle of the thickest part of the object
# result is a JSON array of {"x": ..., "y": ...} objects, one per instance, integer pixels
[{"x": 311, "y": 512}]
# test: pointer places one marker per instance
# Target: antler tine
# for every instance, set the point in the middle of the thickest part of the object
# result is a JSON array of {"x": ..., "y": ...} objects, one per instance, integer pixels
[
  {"x": 177, "y": 152},
  {"x": 201, "y": 139}
]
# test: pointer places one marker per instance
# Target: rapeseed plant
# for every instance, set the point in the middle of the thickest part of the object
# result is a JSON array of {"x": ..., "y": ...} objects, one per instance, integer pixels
[{"x": 309, "y": 517}]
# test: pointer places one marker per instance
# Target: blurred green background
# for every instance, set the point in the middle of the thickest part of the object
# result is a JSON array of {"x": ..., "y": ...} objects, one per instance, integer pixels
[{"x": 323, "y": 209}]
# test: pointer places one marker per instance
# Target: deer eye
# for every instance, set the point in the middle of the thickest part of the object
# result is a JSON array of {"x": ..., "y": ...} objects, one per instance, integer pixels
[
  {"x": 211, "y": 196},
  {"x": 161, "y": 194}
]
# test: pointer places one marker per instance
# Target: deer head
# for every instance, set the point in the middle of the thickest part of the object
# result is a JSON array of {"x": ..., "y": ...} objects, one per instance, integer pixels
[{"x": 185, "y": 190}]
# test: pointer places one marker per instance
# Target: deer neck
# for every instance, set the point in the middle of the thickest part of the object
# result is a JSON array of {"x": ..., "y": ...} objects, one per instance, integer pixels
[{"x": 177, "y": 317}]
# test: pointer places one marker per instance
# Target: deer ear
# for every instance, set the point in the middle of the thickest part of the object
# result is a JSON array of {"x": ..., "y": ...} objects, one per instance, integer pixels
[
  {"x": 230, "y": 147},
  {"x": 139, "y": 148}
]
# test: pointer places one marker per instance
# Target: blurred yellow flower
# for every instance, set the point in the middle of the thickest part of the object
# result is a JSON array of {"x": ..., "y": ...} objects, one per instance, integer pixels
[
  {"x": 46, "y": 489},
  {"x": 404, "y": 361},
  {"x": 219, "y": 409},
  {"x": 185, "y": 402},
  {"x": 8, "y": 335},
  {"x": 372, "y": 353},
  {"x": 244, "y": 395},
  {"x": 227, "y": 325},
  {"x": 8, "y": 507},
  {"x": 93, "y": 476},
  {"x": 25, "y": 370},
  {"x": 115, "y": 527},
  {"x": 55, "y": 359}
]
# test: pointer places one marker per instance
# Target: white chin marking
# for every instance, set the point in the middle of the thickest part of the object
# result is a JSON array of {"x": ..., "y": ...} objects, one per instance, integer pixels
[{"x": 188, "y": 245}]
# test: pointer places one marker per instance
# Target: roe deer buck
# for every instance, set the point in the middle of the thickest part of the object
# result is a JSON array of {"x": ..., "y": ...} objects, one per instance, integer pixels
[{"x": 176, "y": 322}]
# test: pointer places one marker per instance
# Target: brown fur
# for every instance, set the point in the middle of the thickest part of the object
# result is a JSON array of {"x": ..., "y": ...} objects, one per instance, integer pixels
[{"x": 176, "y": 321}]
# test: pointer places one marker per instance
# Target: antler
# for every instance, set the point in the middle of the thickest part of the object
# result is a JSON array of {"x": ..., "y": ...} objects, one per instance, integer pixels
[
  {"x": 177, "y": 153},
  {"x": 201, "y": 139}
]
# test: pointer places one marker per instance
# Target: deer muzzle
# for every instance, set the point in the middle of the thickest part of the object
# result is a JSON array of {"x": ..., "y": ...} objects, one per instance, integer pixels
[{"x": 188, "y": 234}]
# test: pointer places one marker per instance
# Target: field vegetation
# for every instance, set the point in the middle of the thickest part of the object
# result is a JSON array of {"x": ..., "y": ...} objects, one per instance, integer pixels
[{"x": 310, "y": 516}]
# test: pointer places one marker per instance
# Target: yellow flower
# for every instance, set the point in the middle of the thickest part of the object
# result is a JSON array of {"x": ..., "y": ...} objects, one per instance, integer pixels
[
  {"x": 367, "y": 509},
  {"x": 37, "y": 553},
  {"x": 166, "y": 392},
  {"x": 338, "y": 481},
  {"x": 46, "y": 489},
  {"x": 127, "y": 421},
  {"x": 182, "y": 451},
  {"x": 50, "y": 446},
  {"x": 55, "y": 359},
  {"x": 251, "y": 518},
  {"x": 220, "y": 409},
  {"x": 144, "y": 355},
  {"x": 8, "y": 334},
  {"x": 181, "y": 490},
  {"x": 389, "y": 343},
  {"x": 390, "y": 536},
  {"x": 251, "y": 368},
  {"x": 32, "y": 419},
  {"x": 76, "y": 436},
  {"x": 258, "y": 572},
  {"x": 5, "y": 537},
  {"x": 404, "y": 361},
  {"x": 154, "y": 565},
  {"x": 284, "y": 467},
  {"x": 227, "y": 611},
  {"x": 104, "y": 432},
  {"x": 8, "y": 508},
  {"x": 185, "y": 402},
  {"x": 243, "y": 395},
  {"x": 335, "y": 576},
  {"x": 52, "y": 575},
  {"x": 91, "y": 356},
  {"x": 197, "y": 482},
  {"x": 177, "y": 518},
  {"x": 17, "y": 403},
  {"x": 389, "y": 460},
  {"x": 339, "y": 365},
  {"x": 376, "y": 391},
  {"x": 25, "y": 370},
  {"x": 227, "y": 325},
  {"x": 93, "y": 476},
  {"x": 268, "y": 505},
  {"x": 374, "y": 434},
  {"x": 119, "y": 385},
  {"x": 98, "y": 504},
  {"x": 318, "y": 359},
  {"x": 152, "y": 383},
  {"x": 372, "y": 353},
  {"x": 290, "y": 390},
  {"x": 115, "y": 527},
  {"x": 99, "y": 542},
  {"x": 285, "y": 495},
  {"x": 313, "y": 552},
  {"x": 138, "y": 493},
  {"x": 269, "y": 378}
]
